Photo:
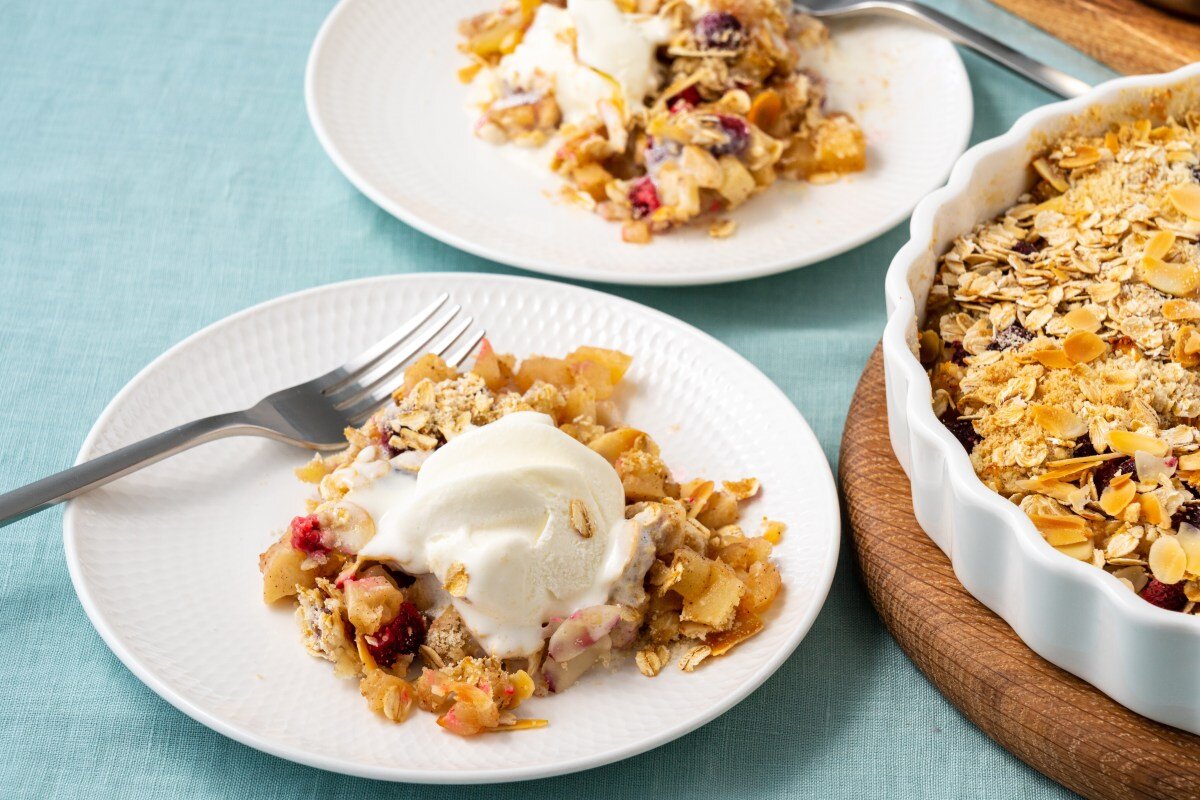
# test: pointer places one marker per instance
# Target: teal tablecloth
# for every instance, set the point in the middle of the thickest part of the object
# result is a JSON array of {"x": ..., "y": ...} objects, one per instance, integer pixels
[{"x": 157, "y": 173}]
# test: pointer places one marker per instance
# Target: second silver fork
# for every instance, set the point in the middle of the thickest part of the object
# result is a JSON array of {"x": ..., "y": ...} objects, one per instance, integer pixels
[{"x": 312, "y": 414}]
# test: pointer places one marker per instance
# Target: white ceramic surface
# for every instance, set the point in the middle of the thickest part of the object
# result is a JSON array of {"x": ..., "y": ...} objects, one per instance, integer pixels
[
  {"x": 165, "y": 560},
  {"x": 1074, "y": 615},
  {"x": 385, "y": 103}
]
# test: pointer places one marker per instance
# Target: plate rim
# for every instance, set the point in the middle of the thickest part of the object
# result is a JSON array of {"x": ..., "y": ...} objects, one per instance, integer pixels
[
  {"x": 71, "y": 532},
  {"x": 954, "y": 64}
]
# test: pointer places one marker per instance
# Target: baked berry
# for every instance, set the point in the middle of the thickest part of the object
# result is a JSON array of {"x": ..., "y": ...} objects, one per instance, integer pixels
[
  {"x": 719, "y": 30},
  {"x": 957, "y": 354},
  {"x": 307, "y": 535},
  {"x": 688, "y": 98},
  {"x": 400, "y": 637},
  {"x": 643, "y": 198},
  {"x": 1165, "y": 595},
  {"x": 1025, "y": 248},
  {"x": 737, "y": 135},
  {"x": 1189, "y": 513},
  {"x": 1014, "y": 335},
  {"x": 385, "y": 441},
  {"x": 1084, "y": 449},
  {"x": 963, "y": 430},
  {"x": 1107, "y": 470}
]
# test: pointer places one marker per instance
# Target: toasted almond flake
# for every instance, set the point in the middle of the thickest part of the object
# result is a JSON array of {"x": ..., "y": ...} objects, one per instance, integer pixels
[
  {"x": 692, "y": 658},
  {"x": 1082, "y": 319},
  {"x": 1085, "y": 156},
  {"x": 1186, "y": 199},
  {"x": 1084, "y": 346},
  {"x": 581, "y": 520},
  {"x": 1189, "y": 462},
  {"x": 1167, "y": 560},
  {"x": 517, "y": 725},
  {"x": 457, "y": 580},
  {"x": 1174, "y": 279},
  {"x": 1158, "y": 245},
  {"x": 1050, "y": 174},
  {"x": 1058, "y": 421},
  {"x": 1081, "y": 551},
  {"x": 1152, "y": 510},
  {"x": 1117, "y": 495},
  {"x": 1189, "y": 539},
  {"x": 1054, "y": 358},
  {"x": 743, "y": 489},
  {"x": 1063, "y": 538},
  {"x": 1085, "y": 460},
  {"x": 1058, "y": 523},
  {"x": 1129, "y": 443},
  {"x": 1064, "y": 472},
  {"x": 1176, "y": 310}
]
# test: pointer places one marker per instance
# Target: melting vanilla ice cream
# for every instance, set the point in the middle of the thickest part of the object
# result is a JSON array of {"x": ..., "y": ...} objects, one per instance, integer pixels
[
  {"x": 592, "y": 51},
  {"x": 495, "y": 515}
]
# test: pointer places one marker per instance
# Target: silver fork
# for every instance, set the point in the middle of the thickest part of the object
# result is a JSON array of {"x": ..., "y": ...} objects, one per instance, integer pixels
[
  {"x": 1045, "y": 76},
  {"x": 312, "y": 414}
]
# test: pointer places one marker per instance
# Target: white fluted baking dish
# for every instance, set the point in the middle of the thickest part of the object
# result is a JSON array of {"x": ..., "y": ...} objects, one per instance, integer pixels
[{"x": 1071, "y": 613}]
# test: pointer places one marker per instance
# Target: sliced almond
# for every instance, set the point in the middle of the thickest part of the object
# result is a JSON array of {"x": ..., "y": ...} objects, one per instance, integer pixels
[
  {"x": 1061, "y": 538},
  {"x": 1186, "y": 199},
  {"x": 1176, "y": 310},
  {"x": 1129, "y": 443},
  {"x": 1167, "y": 560},
  {"x": 1158, "y": 245},
  {"x": 1081, "y": 551},
  {"x": 1054, "y": 359},
  {"x": 1082, "y": 319},
  {"x": 1085, "y": 156},
  {"x": 1174, "y": 279},
  {"x": 581, "y": 520},
  {"x": 1058, "y": 421},
  {"x": 457, "y": 580},
  {"x": 1152, "y": 510},
  {"x": 1058, "y": 523},
  {"x": 1086, "y": 461},
  {"x": 743, "y": 489},
  {"x": 1084, "y": 346},
  {"x": 1065, "y": 472},
  {"x": 1116, "y": 496},
  {"x": 1189, "y": 462},
  {"x": 1189, "y": 539},
  {"x": 1052, "y": 176}
]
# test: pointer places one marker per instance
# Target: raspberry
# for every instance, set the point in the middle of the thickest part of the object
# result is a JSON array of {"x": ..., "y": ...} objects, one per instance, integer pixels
[
  {"x": 307, "y": 535},
  {"x": 1111, "y": 469},
  {"x": 719, "y": 30},
  {"x": 962, "y": 429},
  {"x": 737, "y": 134},
  {"x": 385, "y": 436},
  {"x": 1083, "y": 449},
  {"x": 400, "y": 637},
  {"x": 1189, "y": 513},
  {"x": 1164, "y": 595},
  {"x": 688, "y": 98},
  {"x": 1014, "y": 335},
  {"x": 643, "y": 197}
]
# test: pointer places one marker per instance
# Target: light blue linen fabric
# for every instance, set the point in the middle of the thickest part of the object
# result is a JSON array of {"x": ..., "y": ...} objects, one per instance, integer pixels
[{"x": 157, "y": 172}]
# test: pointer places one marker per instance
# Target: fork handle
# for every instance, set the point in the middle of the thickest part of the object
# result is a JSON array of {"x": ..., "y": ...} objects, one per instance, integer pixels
[
  {"x": 1047, "y": 77},
  {"x": 30, "y": 499}
]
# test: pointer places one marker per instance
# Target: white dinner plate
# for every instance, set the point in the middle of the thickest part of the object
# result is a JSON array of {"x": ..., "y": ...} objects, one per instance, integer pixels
[
  {"x": 386, "y": 104},
  {"x": 165, "y": 560}
]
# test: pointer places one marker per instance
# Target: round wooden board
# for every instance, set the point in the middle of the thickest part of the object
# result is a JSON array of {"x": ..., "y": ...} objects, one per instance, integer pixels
[{"x": 1048, "y": 718}]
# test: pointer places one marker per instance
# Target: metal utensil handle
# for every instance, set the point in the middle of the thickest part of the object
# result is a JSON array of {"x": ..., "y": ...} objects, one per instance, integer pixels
[
  {"x": 1045, "y": 76},
  {"x": 64, "y": 485}
]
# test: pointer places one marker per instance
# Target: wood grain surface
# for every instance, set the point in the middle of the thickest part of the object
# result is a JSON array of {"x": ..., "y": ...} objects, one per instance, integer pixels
[
  {"x": 1048, "y": 718},
  {"x": 1127, "y": 35}
]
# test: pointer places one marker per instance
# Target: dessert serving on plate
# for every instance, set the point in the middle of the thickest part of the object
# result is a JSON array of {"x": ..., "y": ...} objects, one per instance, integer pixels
[
  {"x": 496, "y": 533},
  {"x": 659, "y": 112},
  {"x": 1062, "y": 346}
]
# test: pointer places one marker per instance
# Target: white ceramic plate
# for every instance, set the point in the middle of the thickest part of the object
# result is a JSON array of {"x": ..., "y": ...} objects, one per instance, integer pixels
[
  {"x": 165, "y": 560},
  {"x": 385, "y": 102}
]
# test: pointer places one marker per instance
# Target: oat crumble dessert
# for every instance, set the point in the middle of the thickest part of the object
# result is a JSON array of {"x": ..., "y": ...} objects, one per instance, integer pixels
[
  {"x": 492, "y": 534},
  {"x": 657, "y": 113},
  {"x": 1063, "y": 350}
]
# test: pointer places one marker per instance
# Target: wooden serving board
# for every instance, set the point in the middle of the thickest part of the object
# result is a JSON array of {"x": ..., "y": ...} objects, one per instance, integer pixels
[
  {"x": 1127, "y": 35},
  {"x": 1048, "y": 718}
]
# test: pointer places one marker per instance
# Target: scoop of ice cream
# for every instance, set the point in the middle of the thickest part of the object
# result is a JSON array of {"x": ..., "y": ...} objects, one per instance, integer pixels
[{"x": 517, "y": 520}]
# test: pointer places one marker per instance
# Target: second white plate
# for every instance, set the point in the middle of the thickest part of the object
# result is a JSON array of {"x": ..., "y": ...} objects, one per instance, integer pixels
[
  {"x": 165, "y": 560},
  {"x": 385, "y": 102}
]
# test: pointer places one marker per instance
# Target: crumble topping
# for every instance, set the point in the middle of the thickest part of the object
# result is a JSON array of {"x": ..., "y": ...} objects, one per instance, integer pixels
[{"x": 1062, "y": 348}]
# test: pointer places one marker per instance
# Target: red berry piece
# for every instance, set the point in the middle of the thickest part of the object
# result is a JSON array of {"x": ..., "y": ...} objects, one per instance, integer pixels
[
  {"x": 737, "y": 135},
  {"x": 1189, "y": 513},
  {"x": 643, "y": 197},
  {"x": 400, "y": 637},
  {"x": 1111, "y": 469},
  {"x": 963, "y": 430},
  {"x": 1025, "y": 248},
  {"x": 1165, "y": 595},
  {"x": 1014, "y": 335},
  {"x": 719, "y": 30},
  {"x": 688, "y": 98},
  {"x": 307, "y": 535}
]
